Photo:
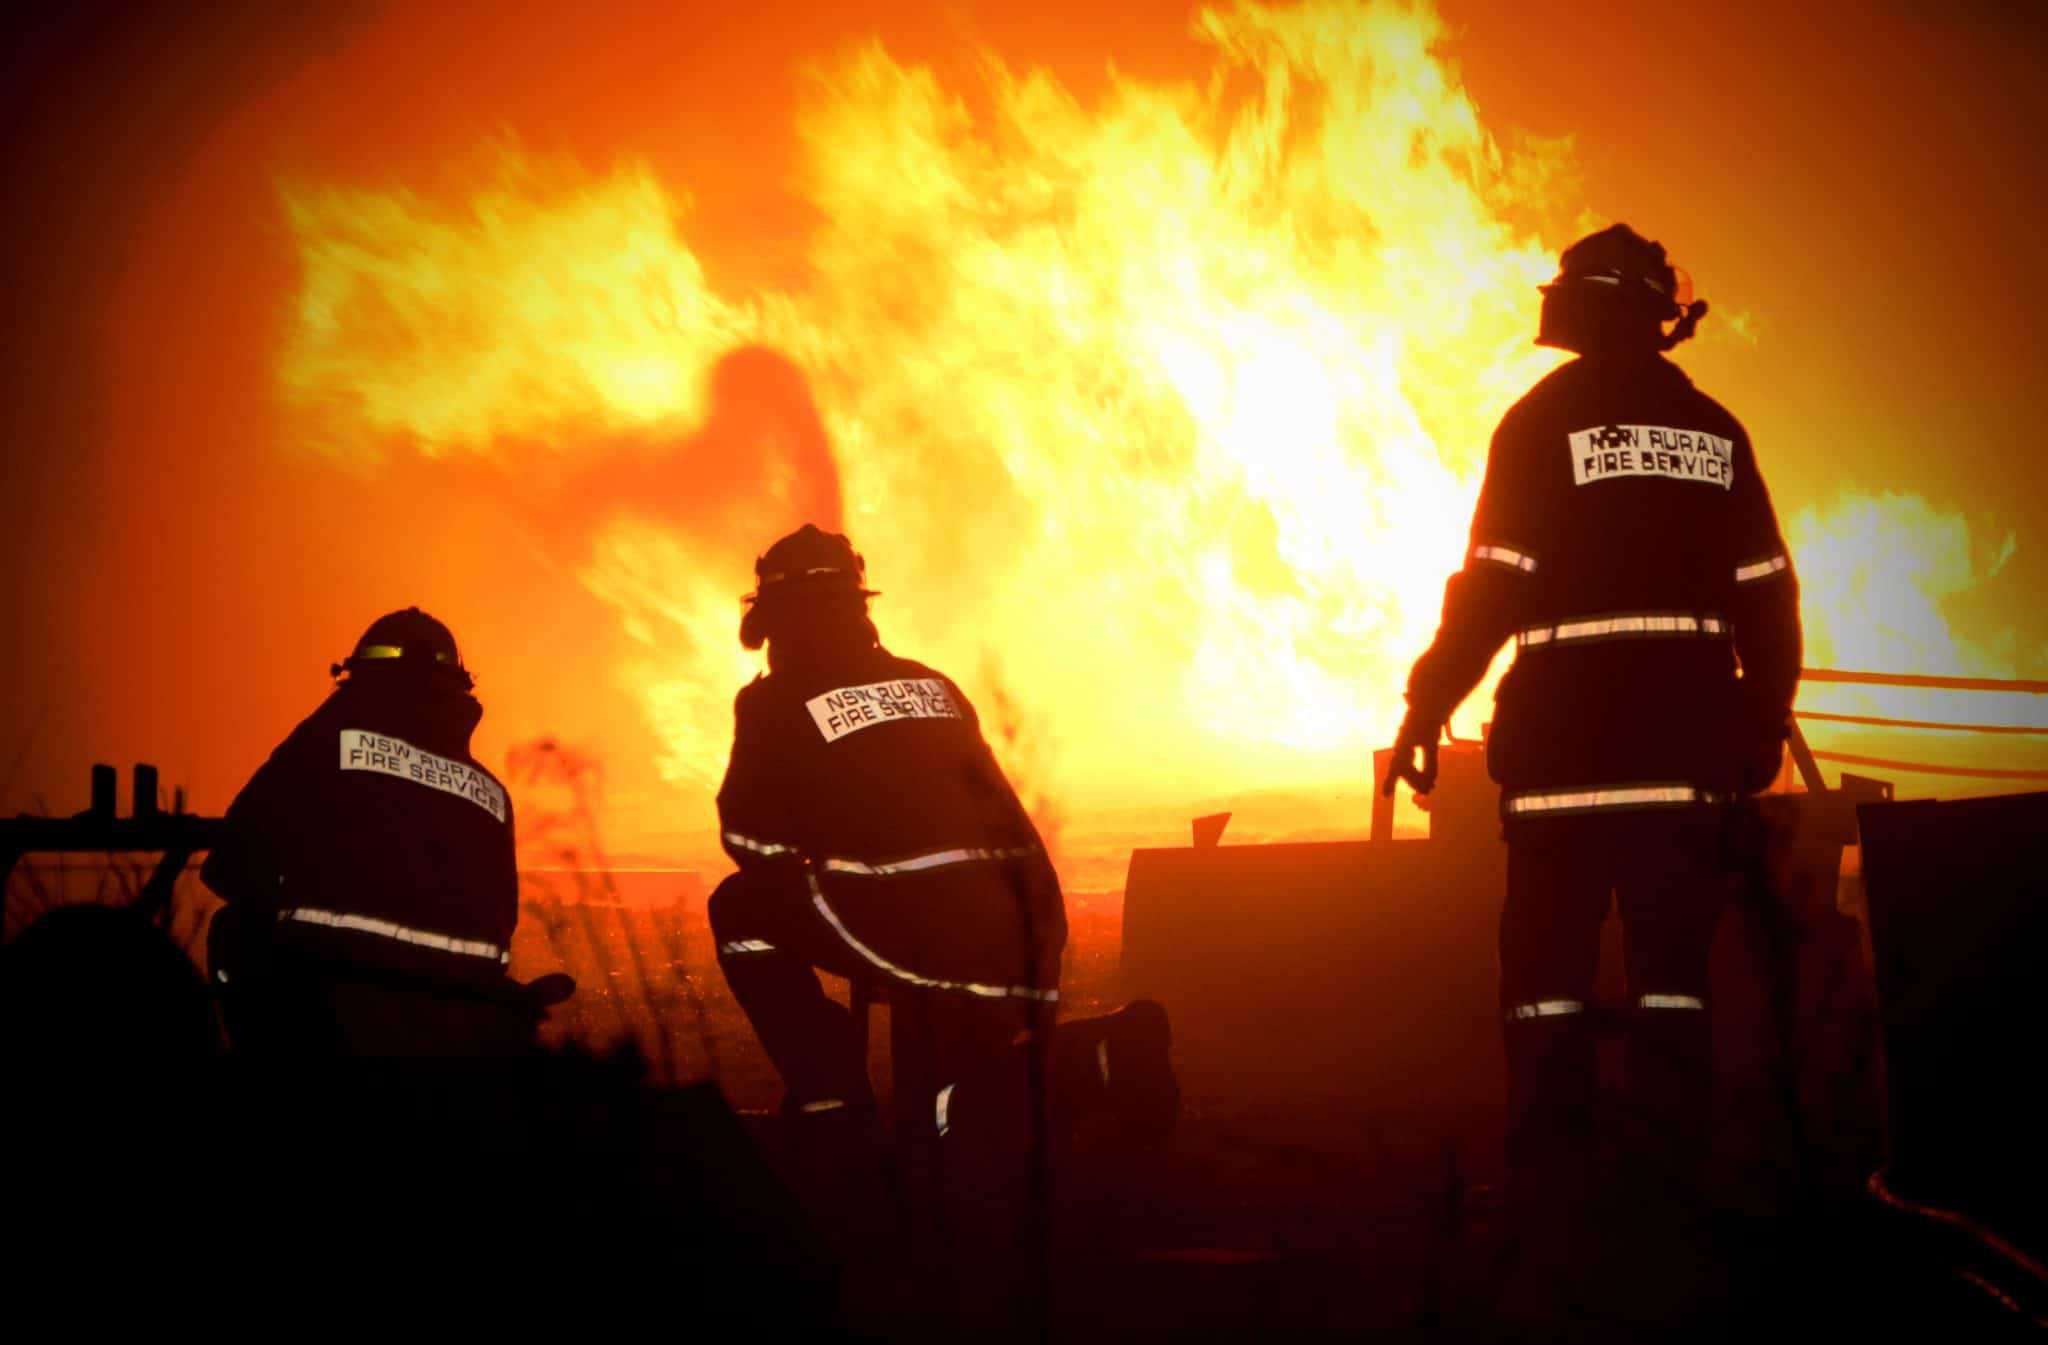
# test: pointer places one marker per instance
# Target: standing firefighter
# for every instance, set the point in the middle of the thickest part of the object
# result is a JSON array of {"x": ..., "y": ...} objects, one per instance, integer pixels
[
  {"x": 1626, "y": 541},
  {"x": 368, "y": 869},
  {"x": 877, "y": 838}
]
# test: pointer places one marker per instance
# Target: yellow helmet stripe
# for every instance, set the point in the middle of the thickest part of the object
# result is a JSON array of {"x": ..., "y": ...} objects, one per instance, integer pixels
[{"x": 369, "y": 651}]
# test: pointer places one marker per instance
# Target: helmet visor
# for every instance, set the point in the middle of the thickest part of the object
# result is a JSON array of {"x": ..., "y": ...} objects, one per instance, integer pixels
[{"x": 1681, "y": 286}]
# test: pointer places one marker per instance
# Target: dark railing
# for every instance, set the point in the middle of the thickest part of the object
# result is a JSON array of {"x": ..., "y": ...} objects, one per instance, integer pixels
[
  {"x": 1836, "y": 675},
  {"x": 176, "y": 835}
]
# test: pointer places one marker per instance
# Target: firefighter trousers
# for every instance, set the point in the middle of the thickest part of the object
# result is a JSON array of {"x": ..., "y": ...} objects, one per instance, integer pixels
[
  {"x": 320, "y": 997},
  {"x": 972, "y": 1057},
  {"x": 1672, "y": 880}
]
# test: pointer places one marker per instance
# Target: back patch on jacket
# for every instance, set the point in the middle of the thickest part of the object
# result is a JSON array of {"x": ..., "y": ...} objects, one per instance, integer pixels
[
  {"x": 851, "y": 709},
  {"x": 1652, "y": 450},
  {"x": 362, "y": 750}
]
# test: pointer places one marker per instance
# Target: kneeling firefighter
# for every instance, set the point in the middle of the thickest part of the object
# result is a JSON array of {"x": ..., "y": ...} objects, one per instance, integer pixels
[
  {"x": 369, "y": 873},
  {"x": 1624, "y": 538},
  {"x": 877, "y": 838}
]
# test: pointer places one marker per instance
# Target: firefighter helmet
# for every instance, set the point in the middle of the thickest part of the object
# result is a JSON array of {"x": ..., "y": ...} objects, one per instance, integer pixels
[
  {"x": 810, "y": 561},
  {"x": 407, "y": 642},
  {"x": 807, "y": 564},
  {"x": 1616, "y": 280}
]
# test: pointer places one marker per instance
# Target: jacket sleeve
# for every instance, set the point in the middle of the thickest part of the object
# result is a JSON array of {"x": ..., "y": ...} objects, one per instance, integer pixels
[
  {"x": 1041, "y": 898},
  {"x": 1489, "y": 598},
  {"x": 508, "y": 885},
  {"x": 989, "y": 786},
  {"x": 754, "y": 818},
  {"x": 247, "y": 866},
  {"x": 1763, "y": 601}
]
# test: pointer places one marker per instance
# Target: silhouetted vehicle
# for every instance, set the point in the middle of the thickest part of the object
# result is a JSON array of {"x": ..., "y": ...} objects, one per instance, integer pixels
[
  {"x": 368, "y": 870},
  {"x": 1625, "y": 539}
]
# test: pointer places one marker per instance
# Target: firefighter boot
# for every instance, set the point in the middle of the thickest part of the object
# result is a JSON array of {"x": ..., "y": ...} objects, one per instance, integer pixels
[
  {"x": 1673, "y": 1267},
  {"x": 813, "y": 1042},
  {"x": 1669, "y": 1078},
  {"x": 1108, "y": 1078},
  {"x": 1120, "y": 1067},
  {"x": 1556, "y": 1248}
]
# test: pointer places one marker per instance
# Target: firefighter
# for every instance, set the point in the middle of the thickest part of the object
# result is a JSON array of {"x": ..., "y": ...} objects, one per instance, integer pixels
[
  {"x": 368, "y": 870},
  {"x": 876, "y": 838},
  {"x": 1625, "y": 540}
]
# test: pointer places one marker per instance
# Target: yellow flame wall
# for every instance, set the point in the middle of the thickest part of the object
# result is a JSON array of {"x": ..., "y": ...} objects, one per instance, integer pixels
[
  {"x": 1164, "y": 415},
  {"x": 1159, "y": 418}
]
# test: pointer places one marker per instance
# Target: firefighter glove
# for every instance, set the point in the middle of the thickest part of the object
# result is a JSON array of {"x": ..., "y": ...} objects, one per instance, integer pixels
[{"x": 1403, "y": 766}]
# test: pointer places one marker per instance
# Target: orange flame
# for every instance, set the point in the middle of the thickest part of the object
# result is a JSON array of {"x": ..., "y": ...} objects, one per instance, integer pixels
[
  {"x": 1170, "y": 409},
  {"x": 1876, "y": 574},
  {"x": 1167, "y": 412}
]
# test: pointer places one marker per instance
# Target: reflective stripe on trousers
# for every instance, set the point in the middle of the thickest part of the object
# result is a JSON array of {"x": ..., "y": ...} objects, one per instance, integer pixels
[
  {"x": 1559, "y": 1008},
  {"x": 1624, "y": 625},
  {"x": 1538, "y": 802},
  {"x": 391, "y": 929},
  {"x": 1545, "y": 1008},
  {"x": 910, "y": 977},
  {"x": 936, "y": 859}
]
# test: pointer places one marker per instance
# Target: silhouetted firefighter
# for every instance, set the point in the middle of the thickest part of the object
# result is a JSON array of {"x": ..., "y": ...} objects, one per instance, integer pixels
[
  {"x": 877, "y": 838},
  {"x": 368, "y": 869},
  {"x": 1625, "y": 539}
]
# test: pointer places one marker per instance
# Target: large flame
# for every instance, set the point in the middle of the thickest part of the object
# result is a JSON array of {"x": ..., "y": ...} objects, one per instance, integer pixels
[
  {"x": 547, "y": 307},
  {"x": 1159, "y": 418},
  {"x": 1878, "y": 575}
]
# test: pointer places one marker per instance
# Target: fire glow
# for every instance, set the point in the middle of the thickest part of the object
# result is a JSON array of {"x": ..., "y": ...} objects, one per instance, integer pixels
[{"x": 1159, "y": 418}]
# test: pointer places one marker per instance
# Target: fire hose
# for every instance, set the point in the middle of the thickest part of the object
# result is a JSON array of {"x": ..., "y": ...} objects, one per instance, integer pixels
[{"x": 2020, "y": 1274}]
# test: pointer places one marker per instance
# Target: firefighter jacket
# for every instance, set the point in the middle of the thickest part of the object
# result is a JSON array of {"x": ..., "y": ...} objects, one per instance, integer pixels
[
  {"x": 868, "y": 781},
  {"x": 1625, "y": 541},
  {"x": 371, "y": 836}
]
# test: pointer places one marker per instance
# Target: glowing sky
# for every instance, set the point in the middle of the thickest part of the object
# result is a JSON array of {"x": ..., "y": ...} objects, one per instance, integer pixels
[{"x": 1853, "y": 182}]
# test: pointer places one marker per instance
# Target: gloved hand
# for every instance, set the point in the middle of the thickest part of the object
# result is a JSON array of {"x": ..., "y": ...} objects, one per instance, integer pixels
[{"x": 1401, "y": 766}]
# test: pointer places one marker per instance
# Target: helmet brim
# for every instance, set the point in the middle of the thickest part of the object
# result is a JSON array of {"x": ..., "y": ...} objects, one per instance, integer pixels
[{"x": 799, "y": 588}]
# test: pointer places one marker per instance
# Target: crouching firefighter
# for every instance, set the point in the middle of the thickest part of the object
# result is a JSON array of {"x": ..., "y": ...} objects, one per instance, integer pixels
[
  {"x": 877, "y": 838},
  {"x": 1624, "y": 538},
  {"x": 369, "y": 874}
]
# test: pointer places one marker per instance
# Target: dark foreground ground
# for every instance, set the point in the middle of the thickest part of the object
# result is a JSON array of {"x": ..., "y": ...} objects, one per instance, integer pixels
[
  {"x": 1278, "y": 1218},
  {"x": 1355, "y": 1227},
  {"x": 1262, "y": 1219}
]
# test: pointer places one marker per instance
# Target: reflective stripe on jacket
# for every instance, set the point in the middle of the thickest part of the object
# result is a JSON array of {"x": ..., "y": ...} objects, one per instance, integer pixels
[
  {"x": 1624, "y": 539},
  {"x": 872, "y": 776}
]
